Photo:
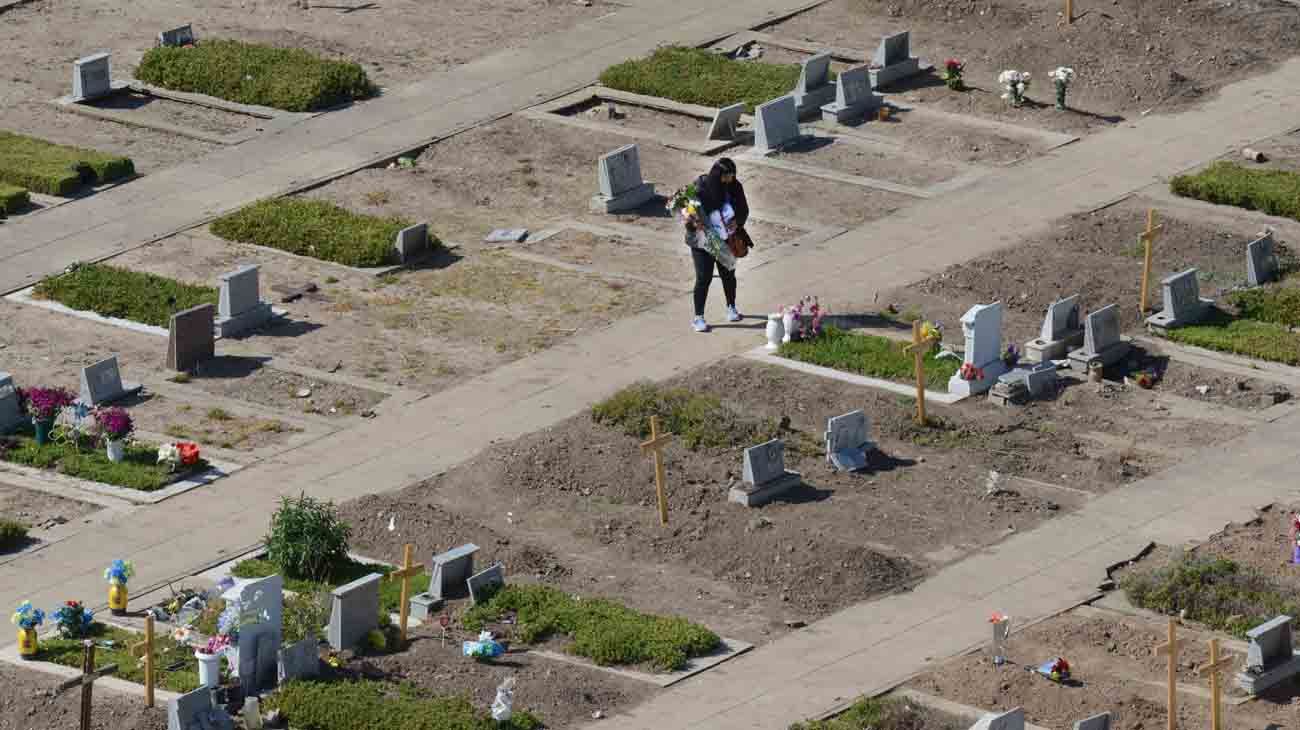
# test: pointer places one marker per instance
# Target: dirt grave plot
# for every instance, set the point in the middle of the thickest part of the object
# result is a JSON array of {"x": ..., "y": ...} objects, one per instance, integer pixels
[
  {"x": 27, "y": 702},
  {"x": 949, "y": 140},
  {"x": 214, "y": 426},
  {"x": 40, "y": 511},
  {"x": 865, "y": 161},
  {"x": 764, "y": 233},
  {"x": 642, "y": 119},
  {"x": 615, "y": 253},
  {"x": 154, "y": 109},
  {"x": 1127, "y": 58}
]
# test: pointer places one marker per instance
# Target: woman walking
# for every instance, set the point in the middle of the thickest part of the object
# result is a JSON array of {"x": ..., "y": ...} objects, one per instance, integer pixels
[{"x": 723, "y": 210}]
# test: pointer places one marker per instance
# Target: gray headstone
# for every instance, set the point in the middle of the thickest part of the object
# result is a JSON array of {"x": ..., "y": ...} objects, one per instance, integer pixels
[
  {"x": 725, "y": 121},
  {"x": 1261, "y": 261},
  {"x": 11, "y": 411},
  {"x": 1009, "y": 720},
  {"x": 776, "y": 123},
  {"x": 102, "y": 383},
  {"x": 92, "y": 77},
  {"x": 1096, "y": 722},
  {"x": 848, "y": 440},
  {"x": 261, "y": 614},
  {"x": 1042, "y": 380},
  {"x": 451, "y": 569},
  {"x": 853, "y": 96},
  {"x": 893, "y": 49},
  {"x": 1182, "y": 302},
  {"x": 1062, "y": 319},
  {"x": 1101, "y": 329},
  {"x": 814, "y": 73},
  {"x": 764, "y": 463},
  {"x": 354, "y": 612},
  {"x": 1270, "y": 643},
  {"x": 482, "y": 585},
  {"x": 182, "y": 36},
  {"x": 190, "y": 340},
  {"x": 411, "y": 241},
  {"x": 240, "y": 291},
  {"x": 301, "y": 659},
  {"x": 506, "y": 235},
  {"x": 195, "y": 711},
  {"x": 619, "y": 171}
]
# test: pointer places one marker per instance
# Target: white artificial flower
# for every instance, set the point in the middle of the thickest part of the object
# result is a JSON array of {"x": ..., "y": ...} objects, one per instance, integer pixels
[
  {"x": 1062, "y": 74},
  {"x": 168, "y": 454}
]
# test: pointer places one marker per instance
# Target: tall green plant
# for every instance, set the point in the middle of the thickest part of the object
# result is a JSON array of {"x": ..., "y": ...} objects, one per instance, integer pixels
[{"x": 306, "y": 538}]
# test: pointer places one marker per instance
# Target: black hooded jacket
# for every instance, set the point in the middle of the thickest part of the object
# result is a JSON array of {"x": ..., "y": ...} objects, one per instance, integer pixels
[{"x": 713, "y": 193}]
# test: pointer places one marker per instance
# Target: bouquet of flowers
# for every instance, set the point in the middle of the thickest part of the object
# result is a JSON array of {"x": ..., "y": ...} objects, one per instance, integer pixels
[
  {"x": 228, "y": 622},
  {"x": 114, "y": 423},
  {"x": 686, "y": 203},
  {"x": 27, "y": 617},
  {"x": 181, "y": 453},
  {"x": 119, "y": 572},
  {"x": 1011, "y": 356},
  {"x": 1016, "y": 84},
  {"x": 217, "y": 644},
  {"x": 970, "y": 372},
  {"x": 1061, "y": 76},
  {"x": 44, "y": 404},
  {"x": 74, "y": 620},
  {"x": 951, "y": 74},
  {"x": 931, "y": 333}
]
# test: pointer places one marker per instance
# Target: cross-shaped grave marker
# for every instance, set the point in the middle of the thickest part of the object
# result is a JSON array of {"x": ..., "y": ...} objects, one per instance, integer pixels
[
  {"x": 1170, "y": 649},
  {"x": 145, "y": 649},
  {"x": 86, "y": 681},
  {"x": 1215, "y": 666},
  {"x": 1148, "y": 239},
  {"x": 409, "y": 570},
  {"x": 656, "y": 446},
  {"x": 920, "y": 345}
]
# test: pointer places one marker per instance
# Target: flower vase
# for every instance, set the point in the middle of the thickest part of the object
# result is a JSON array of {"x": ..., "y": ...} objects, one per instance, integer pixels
[
  {"x": 116, "y": 450},
  {"x": 43, "y": 428},
  {"x": 28, "y": 646},
  {"x": 787, "y": 322},
  {"x": 117, "y": 598},
  {"x": 1060, "y": 95},
  {"x": 775, "y": 331},
  {"x": 209, "y": 669}
]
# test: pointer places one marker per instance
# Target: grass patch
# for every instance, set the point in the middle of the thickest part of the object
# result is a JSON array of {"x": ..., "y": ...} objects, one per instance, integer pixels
[
  {"x": 365, "y": 704},
  {"x": 880, "y": 713},
  {"x": 69, "y": 652},
  {"x": 53, "y": 169},
  {"x": 696, "y": 76},
  {"x": 1248, "y": 337},
  {"x": 390, "y": 591},
  {"x": 1279, "y": 305},
  {"x": 700, "y": 421},
  {"x": 870, "y": 355},
  {"x": 608, "y": 633},
  {"x": 1218, "y": 593},
  {"x": 12, "y": 199},
  {"x": 13, "y": 534},
  {"x": 115, "y": 292},
  {"x": 282, "y": 78},
  {"x": 139, "y": 470},
  {"x": 317, "y": 229},
  {"x": 1276, "y": 192}
]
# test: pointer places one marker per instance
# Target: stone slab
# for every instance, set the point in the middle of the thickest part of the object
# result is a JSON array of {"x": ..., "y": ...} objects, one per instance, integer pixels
[
  {"x": 619, "y": 172},
  {"x": 425, "y": 607},
  {"x": 450, "y": 570},
  {"x": 725, "y": 122},
  {"x": 411, "y": 242},
  {"x": 884, "y": 77},
  {"x": 1096, "y": 722},
  {"x": 506, "y": 235},
  {"x": 11, "y": 411},
  {"x": 92, "y": 77},
  {"x": 182, "y": 36},
  {"x": 485, "y": 583},
  {"x": 1256, "y": 684},
  {"x": 245, "y": 322},
  {"x": 354, "y": 612},
  {"x": 764, "y": 493},
  {"x": 190, "y": 339},
  {"x": 1182, "y": 302},
  {"x": 101, "y": 383},
  {"x": 776, "y": 123},
  {"x": 814, "y": 88},
  {"x": 630, "y": 200},
  {"x": 1261, "y": 261},
  {"x": 300, "y": 660},
  {"x": 854, "y": 98}
]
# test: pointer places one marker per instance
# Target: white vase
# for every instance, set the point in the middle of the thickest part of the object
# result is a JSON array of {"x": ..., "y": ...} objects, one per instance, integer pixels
[
  {"x": 775, "y": 331},
  {"x": 209, "y": 669},
  {"x": 787, "y": 321},
  {"x": 116, "y": 450}
]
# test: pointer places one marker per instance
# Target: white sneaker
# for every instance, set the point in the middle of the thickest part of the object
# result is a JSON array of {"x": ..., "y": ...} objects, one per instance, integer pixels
[
  {"x": 700, "y": 325},
  {"x": 733, "y": 315}
]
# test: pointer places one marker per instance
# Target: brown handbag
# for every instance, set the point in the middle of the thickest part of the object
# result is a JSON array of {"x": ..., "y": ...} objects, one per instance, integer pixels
[{"x": 739, "y": 243}]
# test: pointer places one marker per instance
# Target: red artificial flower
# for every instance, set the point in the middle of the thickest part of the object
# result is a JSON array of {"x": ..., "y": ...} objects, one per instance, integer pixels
[
  {"x": 189, "y": 453},
  {"x": 953, "y": 64}
]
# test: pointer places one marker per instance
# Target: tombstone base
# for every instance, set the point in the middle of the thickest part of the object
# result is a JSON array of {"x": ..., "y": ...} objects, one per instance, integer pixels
[
  {"x": 1107, "y": 357},
  {"x": 1258, "y": 683},
  {"x": 245, "y": 321},
  {"x": 833, "y": 112},
  {"x": 630, "y": 200},
  {"x": 1163, "y": 321},
  {"x": 424, "y": 606},
  {"x": 1008, "y": 394},
  {"x": 764, "y": 493},
  {"x": 1044, "y": 350},
  {"x": 966, "y": 388},
  {"x": 851, "y": 459},
  {"x": 814, "y": 100},
  {"x": 897, "y": 72},
  {"x": 128, "y": 390}
]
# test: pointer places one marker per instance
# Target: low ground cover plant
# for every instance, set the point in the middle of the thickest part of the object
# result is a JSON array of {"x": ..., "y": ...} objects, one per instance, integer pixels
[
  {"x": 1216, "y": 592},
  {"x": 315, "y": 228},
  {"x": 700, "y": 421},
  {"x": 113, "y": 648},
  {"x": 696, "y": 76},
  {"x": 53, "y": 169},
  {"x": 870, "y": 355},
  {"x": 12, "y": 199},
  {"x": 1276, "y": 192},
  {"x": 365, "y": 704},
  {"x": 111, "y": 291},
  {"x": 81, "y": 457}
]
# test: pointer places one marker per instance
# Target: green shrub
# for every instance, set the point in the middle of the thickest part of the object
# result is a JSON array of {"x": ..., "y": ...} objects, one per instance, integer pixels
[
  {"x": 1276, "y": 192},
  {"x": 12, "y": 199},
  {"x": 365, "y": 704},
  {"x": 246, "y": 73},
  {"x": 700, "y": 421},
  {"x": 306, "y": 538},
  {"x": 870, "y": 355},
  {"x": 55, "y": 169},
  {"x": 1276, "y": 305},
  {"x": 12, "y": 534},
  {"x": 882, "y": 713},
  {"x": 303, "y": 616},
  {"x": 606, "y": 632},
  {"x": 1261, "y": 340},
  {"x": 317, "y": 229},
  {"x": 696, "y": 76},
  {"x": 1216, "y": 592},
  {"x": 114, "y": 292}
]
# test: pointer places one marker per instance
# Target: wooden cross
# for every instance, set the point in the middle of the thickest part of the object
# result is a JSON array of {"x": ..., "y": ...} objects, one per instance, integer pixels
[
  {"x": 656, "y": 446},
  {"x": 145, "y": 649},
  {"x": 918, "y": 367},
  {"x": 87, "y": 681},
  {"x": 1170, "y": 649},
  {"x": 1069, "y": 12},
  {"x": 1213, "y": 668},
  {"x": 409, "y": 570},
  {"x": 1148, "y": 239}
]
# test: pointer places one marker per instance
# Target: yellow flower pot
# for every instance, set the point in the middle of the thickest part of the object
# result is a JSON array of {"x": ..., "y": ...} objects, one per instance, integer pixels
[
  {"x": 117, "y": 598},
  {"x": 27, "y": 645}
]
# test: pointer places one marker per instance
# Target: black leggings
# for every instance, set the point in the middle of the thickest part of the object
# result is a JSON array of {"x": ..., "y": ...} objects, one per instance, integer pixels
[{"x": 704, "y": 265}]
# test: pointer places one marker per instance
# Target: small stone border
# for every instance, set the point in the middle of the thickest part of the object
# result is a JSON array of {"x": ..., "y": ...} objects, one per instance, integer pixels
[
  {"x": 551, "y": 112},
  {"x": 201, "y": 231},
  {"x": 730, "y": 649},
  {"x": 761, "y": 354},
  {"x": 71, "y": 486}
]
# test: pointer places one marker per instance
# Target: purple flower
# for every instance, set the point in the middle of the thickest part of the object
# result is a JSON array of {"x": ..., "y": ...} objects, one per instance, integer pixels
[
  {"x": 44, "y": 404},
  {"x": 115, "y": 422}
]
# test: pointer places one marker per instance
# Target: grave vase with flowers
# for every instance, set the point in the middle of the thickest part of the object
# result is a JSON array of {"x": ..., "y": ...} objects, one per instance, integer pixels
[
  {"x": 44, "y": 405},
  {"x": 116, "y": 426},
  {"x": 117, "y": 574},
  {"x": 27, "y": 618}
]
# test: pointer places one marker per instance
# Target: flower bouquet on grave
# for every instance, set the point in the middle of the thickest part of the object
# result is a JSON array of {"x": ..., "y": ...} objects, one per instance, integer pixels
[
  {"x": 117, "y": 574},
  {"x": 43, "y": 405},
  {"x": 686, "y": 203},
  {"x": 74, "y": 620},
  {"x": 115, "y": 426},
  {"x": 970, "y": 372},
  {"x": 176, "y": 455},
  {"x": 951, "y": 74},
  {"x": 1011, "y": 356},
  {"x": 27, "y": 618},
  {"x": 1057, "y": 670},
  {"x": 1062, "y": 76},
  {"x": 1016, "y": 84}
]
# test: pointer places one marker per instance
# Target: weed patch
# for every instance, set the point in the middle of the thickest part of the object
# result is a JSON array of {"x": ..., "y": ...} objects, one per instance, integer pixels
[
  {"x": 246, "y": 73},
  {"x": 366, "y": 704},
  {"x": 696, "y": 76},
  {"x": 12, "y": 199},
  {"x": 114, "y": 292},
  {"x": 1276, "y": 192},
  {"x": 870, "y": 355},
  {"x": 1216, "y": 592},
  {"x": 12, "y": 534},
  {"x": 53, "y": 169},
  {"x": 1279, "y": 305},
  {"x": 700, "y": 421},
  {"x": 608, "y": 633},
  {"x": 1261, "y": 340},
  {"x": 317, "y": 229},
  {"x": 69, "y": 652}
]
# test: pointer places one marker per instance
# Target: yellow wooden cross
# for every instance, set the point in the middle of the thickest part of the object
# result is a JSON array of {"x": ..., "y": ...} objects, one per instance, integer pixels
[
  {"x": 86, "y": 681},
  {"x": 920, "y": 345},
  {"x": 1213, "y": 668},
  {"x": 1069, "y": 11},
  {"x": 1170, "y": 649},
  {"x": 145, "y": 649},
  {"x": 656, "y": 446},
  {"x": 1148, "y": 239},
  {"x": 408, "y": 571}
]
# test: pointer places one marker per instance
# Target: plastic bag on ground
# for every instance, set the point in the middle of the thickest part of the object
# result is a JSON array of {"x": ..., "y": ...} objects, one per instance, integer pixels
[{"x": 505, "y": 698}]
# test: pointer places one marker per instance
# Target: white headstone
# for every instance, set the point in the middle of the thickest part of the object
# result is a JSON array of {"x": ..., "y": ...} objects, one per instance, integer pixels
[
  {"x": 354, "y": 612},
  {"x": 848, "y": 440},
  {"x": 1261, "y": 261},
  {"x": 411, "y": 241},
  {"x": 1062, "y": 319},
  {"x": 261, "y": 615},
  {"x": 725, "y": 121},
  {"x": 102, "y": 383},
  {"x": 981, "y": 326},
  {"x": 182, "y": 36},
  {"x": 450, "y": 570},
  {"x": 482, "y": 585},
  {"x": 11, "y": 411},
  {"x": 765, "y": 462},
  {"x": 776, "y": 123},
  {"x": 92, "y": 77}
]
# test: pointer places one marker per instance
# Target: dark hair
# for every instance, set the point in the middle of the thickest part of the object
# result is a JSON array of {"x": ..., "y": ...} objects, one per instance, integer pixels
[{"x": 713, "y": 191}]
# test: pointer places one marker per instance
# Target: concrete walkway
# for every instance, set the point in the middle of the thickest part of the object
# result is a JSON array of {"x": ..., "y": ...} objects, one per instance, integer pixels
[{"x": 865, "y": 647}]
